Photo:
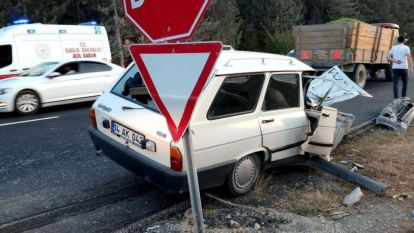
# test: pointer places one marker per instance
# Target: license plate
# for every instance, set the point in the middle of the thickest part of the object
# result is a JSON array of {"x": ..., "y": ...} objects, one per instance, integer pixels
[{"x": 128, "y": 135}]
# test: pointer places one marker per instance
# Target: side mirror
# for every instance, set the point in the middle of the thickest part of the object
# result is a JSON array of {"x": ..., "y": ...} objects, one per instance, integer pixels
[{"x": 53, "y": 75}]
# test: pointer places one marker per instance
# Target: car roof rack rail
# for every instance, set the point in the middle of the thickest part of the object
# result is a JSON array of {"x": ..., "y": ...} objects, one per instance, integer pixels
[{"x": 262, "y": 60}]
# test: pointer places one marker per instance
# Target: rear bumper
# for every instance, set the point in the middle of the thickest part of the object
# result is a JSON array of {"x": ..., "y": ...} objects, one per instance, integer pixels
[{"x": 155, "y": 173}]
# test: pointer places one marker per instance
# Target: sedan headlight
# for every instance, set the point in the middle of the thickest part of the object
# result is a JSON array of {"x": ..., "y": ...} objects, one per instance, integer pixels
[{"x": 4, "y": 91}]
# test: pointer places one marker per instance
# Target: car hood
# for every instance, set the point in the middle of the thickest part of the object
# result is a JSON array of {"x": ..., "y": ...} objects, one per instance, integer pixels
[
  {"x": 17, "y": 81},
  {"x": 331, "y": 87}
]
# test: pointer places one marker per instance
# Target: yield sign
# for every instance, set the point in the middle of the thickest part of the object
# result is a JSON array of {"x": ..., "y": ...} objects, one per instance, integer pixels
[
  {"x": 165, "y": 21},
  {"x": 175, "y": 75}
]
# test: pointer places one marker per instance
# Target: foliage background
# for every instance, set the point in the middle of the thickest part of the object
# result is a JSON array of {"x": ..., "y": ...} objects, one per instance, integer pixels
[{"x": 259, "y": 25}]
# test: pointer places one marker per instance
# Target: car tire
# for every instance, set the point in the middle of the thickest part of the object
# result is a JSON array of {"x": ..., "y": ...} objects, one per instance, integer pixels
[
  {"x": 244, "y": 175},
  {"x": 360, "y": 75},
  {"x": 27, "y": 103}
]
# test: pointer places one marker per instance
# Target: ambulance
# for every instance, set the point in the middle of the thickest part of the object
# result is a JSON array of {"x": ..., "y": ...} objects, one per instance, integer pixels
[{"x": 25, "y": 45}]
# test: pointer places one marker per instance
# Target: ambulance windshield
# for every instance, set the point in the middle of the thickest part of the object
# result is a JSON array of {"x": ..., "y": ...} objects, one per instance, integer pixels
[{"x": 5, "y": 55}]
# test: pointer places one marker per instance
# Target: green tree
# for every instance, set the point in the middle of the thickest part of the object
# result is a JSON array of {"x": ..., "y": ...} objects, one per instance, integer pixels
[
  {"x": 267, "y": 23},
  {"x": 342, "y": 9},
  {"x": 221, "y": 23}
]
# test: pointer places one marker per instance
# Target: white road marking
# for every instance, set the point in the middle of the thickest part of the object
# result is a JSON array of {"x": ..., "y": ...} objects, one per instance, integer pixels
[{"x": 28, "y": 121}]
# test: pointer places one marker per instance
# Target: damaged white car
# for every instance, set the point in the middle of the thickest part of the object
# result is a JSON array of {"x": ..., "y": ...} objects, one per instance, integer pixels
[{"x": 252, "y": 112}]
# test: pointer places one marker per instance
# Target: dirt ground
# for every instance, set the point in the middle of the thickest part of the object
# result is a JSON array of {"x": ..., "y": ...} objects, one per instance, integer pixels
[{"x": 306, "y": 200}]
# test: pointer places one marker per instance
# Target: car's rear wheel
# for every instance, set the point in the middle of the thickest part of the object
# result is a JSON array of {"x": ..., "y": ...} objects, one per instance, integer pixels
[
  {"x": 27, "y": 103},
  {"x": 244, "y": 175}
]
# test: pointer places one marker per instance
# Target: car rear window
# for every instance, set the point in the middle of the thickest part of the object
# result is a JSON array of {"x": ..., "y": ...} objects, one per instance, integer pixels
[
  {"x": 237, "y": 95},
  {"x": 90, "y": 67},
  {"x": 132, "y": 87}
]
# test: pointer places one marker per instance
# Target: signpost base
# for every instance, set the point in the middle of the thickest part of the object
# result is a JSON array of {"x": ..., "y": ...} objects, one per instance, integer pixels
[{"x": 193, "y": 187}]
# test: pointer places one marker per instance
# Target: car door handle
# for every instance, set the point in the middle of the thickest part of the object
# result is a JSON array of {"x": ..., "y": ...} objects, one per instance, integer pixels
[
  {"x": 26, "y": 68},
  {"x": 268, "y": 121},
  {"x": 12, "y": 70}
]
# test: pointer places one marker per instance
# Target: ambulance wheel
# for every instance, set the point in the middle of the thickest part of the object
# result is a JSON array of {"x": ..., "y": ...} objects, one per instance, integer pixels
[
  {"x": 360, "y": 75},
  {"x": 27, "y": 103},
  {"x": 244, "y": 175}
]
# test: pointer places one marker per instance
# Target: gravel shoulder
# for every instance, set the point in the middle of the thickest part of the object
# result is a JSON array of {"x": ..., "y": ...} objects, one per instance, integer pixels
[{"x": 306, "y": 200}]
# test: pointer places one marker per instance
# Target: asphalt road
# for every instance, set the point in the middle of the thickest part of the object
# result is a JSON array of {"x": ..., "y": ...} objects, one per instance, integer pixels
[
  {"x": 366, "y": 109},
  {"x": 52, "y": 181}
]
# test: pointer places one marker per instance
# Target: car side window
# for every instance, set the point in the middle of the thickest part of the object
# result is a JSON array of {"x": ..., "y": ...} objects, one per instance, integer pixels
[
  {"x": 282, "y": 93},
  {"x": 68, "y": 68},
  {"x": 90, "y": 67},
  {"x": 237, "y": 95}
]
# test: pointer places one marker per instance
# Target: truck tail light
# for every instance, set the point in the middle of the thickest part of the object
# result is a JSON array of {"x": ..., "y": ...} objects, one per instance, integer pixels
[
  {"x": 92, "y": 118},
  {"x": 176, "y": 159},
  {"x": 305, "y": 55},
  {"x": 337, "y": 55}
]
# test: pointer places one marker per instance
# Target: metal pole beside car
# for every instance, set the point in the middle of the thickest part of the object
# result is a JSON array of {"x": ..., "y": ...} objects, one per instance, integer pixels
[{"x": 193, "y": 187}]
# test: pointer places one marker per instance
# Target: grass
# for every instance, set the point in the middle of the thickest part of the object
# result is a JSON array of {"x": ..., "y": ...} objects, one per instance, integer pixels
[
  {"x": 388, "y": 156},
  {"x": 261, "y": 188},
  {"x": 310, "y": 202}
]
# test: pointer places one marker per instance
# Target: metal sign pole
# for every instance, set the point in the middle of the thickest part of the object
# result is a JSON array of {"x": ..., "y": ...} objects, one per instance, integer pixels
[{"x": 193, "y": 187}]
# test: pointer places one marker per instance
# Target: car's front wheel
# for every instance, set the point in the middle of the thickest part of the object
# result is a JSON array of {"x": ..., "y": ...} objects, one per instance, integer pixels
[
  {"x": 244, "y": 175},
  {"x": 27, "y": 103}
]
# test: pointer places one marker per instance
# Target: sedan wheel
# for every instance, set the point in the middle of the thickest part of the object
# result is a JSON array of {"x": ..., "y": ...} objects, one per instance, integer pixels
[
  {"x": 27, "y": 103},
  {"x": 244, "y": 175}
]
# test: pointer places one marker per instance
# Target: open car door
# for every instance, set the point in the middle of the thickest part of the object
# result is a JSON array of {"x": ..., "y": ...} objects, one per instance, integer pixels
[{"x": 327, "y": 126}]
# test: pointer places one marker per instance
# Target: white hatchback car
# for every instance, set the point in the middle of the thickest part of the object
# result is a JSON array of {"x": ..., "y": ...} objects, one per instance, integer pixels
[
  {"x": 56, "y": 83},
  {"x": 250, "y": 114}
]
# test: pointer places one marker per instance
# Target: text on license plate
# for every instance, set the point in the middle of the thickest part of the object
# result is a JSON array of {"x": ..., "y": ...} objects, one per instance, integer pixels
[{"x": 127, "y": 134}]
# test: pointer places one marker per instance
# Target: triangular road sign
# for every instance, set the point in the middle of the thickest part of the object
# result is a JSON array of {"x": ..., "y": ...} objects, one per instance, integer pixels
[{"x": 175, "y": 75}]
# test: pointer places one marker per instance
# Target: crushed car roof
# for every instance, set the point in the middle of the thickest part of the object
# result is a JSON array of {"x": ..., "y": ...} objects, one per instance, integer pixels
[{"x": 234, "y": 62}]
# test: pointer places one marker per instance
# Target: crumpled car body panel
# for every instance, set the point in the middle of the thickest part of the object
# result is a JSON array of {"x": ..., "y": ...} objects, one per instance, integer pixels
[{"x": 397, "y": 115}]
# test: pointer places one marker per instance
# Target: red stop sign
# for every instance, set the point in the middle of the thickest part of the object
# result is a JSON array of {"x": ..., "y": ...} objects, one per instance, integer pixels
[{"x": 165, "y": 20}]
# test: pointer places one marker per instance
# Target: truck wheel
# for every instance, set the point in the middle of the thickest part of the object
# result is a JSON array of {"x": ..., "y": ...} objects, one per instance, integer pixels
[
  {"x": 244, "y": 175},
  {"x": 388, "y": 73},
  {"x": 360, "y": 75},
  {"x": 27, "y": 103}
]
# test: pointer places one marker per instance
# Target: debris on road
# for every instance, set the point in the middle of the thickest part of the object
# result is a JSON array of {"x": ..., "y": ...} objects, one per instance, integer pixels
[
  {"x": 358, "y": 165},
  {"x": 397, "y": 115},
  {"x": 353, "y": 197},
  {"x": 339, "y": 215},
  {"x": 402, "y": 196},
  {"x": 257, "y": 226},
  {"x": 234, "y": 224}
]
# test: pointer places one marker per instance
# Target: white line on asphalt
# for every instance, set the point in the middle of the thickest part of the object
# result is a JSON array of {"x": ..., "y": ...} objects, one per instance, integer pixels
[{"x": 28, "y": 121}]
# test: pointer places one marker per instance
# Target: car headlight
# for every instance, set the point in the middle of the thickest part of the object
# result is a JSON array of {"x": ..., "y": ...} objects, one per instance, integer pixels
[{"x": 4, "y": 90}]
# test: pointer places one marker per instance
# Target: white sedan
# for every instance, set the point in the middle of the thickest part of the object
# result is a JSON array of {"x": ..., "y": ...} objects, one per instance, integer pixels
[{"x": 56, "y": 83}]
